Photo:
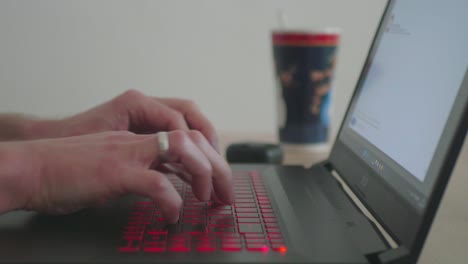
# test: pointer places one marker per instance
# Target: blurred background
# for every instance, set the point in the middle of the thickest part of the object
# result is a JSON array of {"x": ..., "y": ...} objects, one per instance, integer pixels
[{"x": 62, "y": 57}]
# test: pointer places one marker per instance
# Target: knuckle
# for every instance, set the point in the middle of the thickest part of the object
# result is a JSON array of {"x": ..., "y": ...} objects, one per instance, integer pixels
[
  {"x": 132, "y": 93},
  {"x": 128, "y": 96},
  {"x": 179, "y": 140},
  {"x": 206, "y": 170},
  {"x": 197, "y": 137},
  {"x": 209, "y": 169},
  {"x": 161, "y": 185},
  {"x": 176, "y": 116},
  {"x": 190, "y": 104}
]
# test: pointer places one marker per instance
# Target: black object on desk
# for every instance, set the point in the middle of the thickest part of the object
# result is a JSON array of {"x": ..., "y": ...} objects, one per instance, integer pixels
[{"x": 251, "y": 152}]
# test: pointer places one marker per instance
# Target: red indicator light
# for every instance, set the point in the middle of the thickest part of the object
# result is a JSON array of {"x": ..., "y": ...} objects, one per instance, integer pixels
[{"x": 282, "y": 249}]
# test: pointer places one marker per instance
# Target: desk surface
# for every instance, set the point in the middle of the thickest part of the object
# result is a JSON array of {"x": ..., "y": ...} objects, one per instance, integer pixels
[{"x": 448, "y": 239}]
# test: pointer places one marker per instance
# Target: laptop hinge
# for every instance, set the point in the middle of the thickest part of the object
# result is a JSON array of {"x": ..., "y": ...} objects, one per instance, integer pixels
[{"x": 390, "y": 241}]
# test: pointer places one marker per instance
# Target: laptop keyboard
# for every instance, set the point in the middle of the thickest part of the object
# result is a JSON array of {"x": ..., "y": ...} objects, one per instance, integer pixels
[{"x": 249, "y": 225}]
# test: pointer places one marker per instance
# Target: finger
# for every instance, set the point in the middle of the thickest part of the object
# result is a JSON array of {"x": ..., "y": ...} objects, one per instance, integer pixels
[
  {"x": 156, "y": 186},
  {"x": 176, "y": 169},
  {"x": 215, "y": 198},
  {"x": 161, "y": 117},
  {"x": 147, "y": 115},
  {"x": 221, "y": 172},
  {"x": 194, "y": 117},
  {"x": 183, "y": 151}
]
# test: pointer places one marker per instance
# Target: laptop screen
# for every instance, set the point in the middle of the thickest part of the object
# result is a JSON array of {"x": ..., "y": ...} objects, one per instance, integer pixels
[{"x": 407, "y": 93}]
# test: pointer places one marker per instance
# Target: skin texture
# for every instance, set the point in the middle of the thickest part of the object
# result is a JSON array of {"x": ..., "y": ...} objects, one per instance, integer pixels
[{"x": 61, "y": 166}]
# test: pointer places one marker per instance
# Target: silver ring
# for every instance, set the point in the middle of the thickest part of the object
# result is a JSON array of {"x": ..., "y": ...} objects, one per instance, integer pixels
[{"x": 163, "y": 145}]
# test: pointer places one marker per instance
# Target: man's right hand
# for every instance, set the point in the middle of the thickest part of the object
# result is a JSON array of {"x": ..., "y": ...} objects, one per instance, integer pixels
[{"x": 77, "y": 172}]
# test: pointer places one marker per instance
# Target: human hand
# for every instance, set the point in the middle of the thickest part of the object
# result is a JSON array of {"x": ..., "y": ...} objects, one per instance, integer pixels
[
  {"x": 77, "y": 172},
  {"x": 131, "y": 111}
]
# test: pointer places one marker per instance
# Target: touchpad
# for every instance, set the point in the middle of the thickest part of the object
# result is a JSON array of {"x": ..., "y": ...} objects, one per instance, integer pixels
[{"x": 311, "y": 222}]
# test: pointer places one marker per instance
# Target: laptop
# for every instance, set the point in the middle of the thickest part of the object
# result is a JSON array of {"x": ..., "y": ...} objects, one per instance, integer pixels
[{"x": 372, "y": 201}]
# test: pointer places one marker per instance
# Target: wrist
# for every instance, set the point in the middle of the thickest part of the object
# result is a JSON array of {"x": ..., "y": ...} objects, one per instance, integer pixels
[{"x": 18, "y": 169}]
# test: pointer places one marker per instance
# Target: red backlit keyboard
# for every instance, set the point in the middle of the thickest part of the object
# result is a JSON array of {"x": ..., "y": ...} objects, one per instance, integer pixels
[{"x": 248, "y": 225}]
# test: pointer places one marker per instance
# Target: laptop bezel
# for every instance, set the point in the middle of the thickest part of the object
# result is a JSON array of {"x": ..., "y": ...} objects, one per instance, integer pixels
[{"x": 408, "y": 227}]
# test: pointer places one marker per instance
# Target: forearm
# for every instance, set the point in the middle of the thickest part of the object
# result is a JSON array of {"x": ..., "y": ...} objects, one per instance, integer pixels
[
  {"x": 20, "y": 127},
  {"x": 17, "y": 169}
]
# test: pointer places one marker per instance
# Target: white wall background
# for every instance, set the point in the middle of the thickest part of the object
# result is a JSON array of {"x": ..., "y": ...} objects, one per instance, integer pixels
[{"x": 61, "y": 57}]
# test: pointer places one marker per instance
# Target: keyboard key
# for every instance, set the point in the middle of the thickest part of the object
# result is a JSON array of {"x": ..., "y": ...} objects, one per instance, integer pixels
[
  {"x": 251, "y": 205},
  {"x": 250, "y": 215},
  {"x": 229, "y": 236},
  {"x": 245, "y": 196},
  {"x": 279, "y": 247},
  {"x": 231, "y": 247},
  {"x": 193, "y": 228},
  {"x": 220, "y": 212},
  {"x": 204, "y": 237},
  {"x": 271, "y": 225},
  {"x": 245, "y": 201},
  {"x": 231, "y": 241},
  {"x": 253, "y": 235},
  {"x": 221, "y": 222},
  {"x": 276, "y": 241},
  {"x": 161, "y": 238},
  {"x": 206, "y": 248},
  {"x": 221, "y": 217},
  {"x": 255, "y": 241},
  {"x": 273, "y": 230},
  {"x": 180, "y": 237},
  {"x": 196, "y": 213},
  {"x": 129, "y": 245},
  {"x": 141, "y": 214},
  {"x": 179, "y": 248},
  {"x": 269, "y": 220},
  {"x": 248, "y": 220},
  {"x": 274, "y": 236},
  {"x": 154, "y": 246},
  {"x": 221, "y": 225},
  {"x": 222, "y": 229},
  {"x": 250, "y": 228},
  {"x": 220, "y": 207},
  {"x": 194, "y": 221},
  {"x": 243, "y": 192},
  {"x": 246, "y": 210},
  {"x": 151, "y": 232},
  {"x": 257, "y": 247},
  {"x": 268, "y": 215}
]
